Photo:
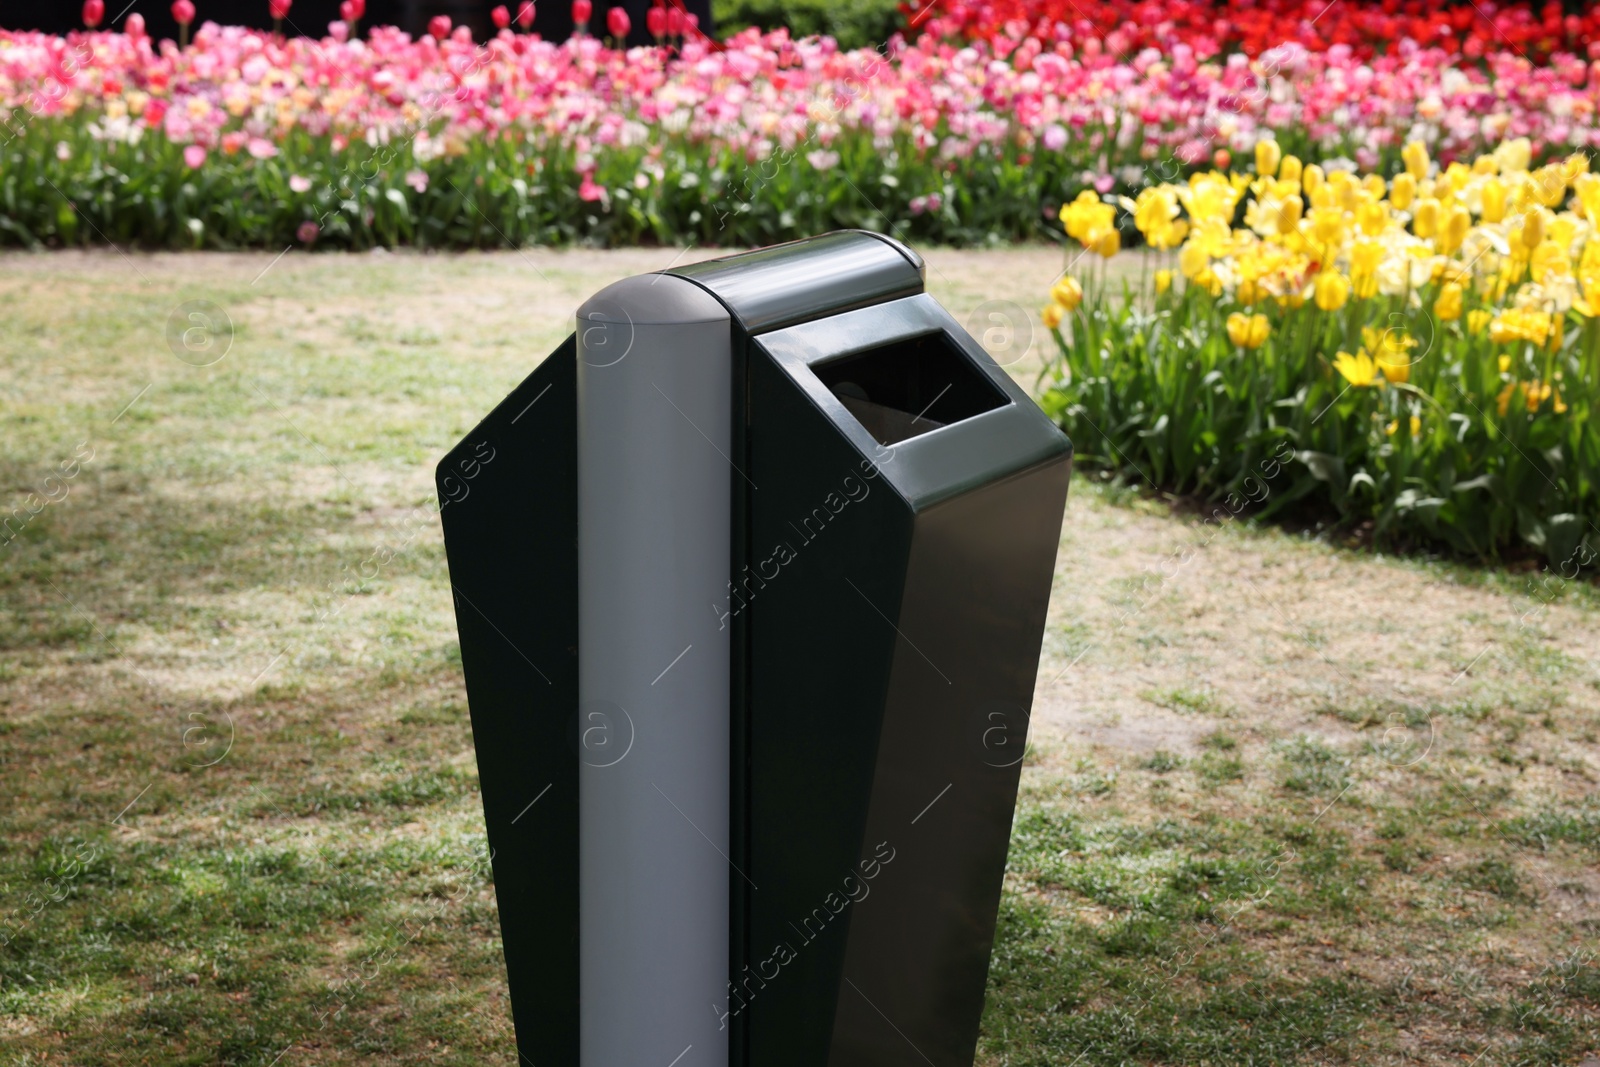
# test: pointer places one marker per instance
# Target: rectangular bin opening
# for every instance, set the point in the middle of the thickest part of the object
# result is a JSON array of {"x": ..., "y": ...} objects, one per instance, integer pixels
[{"x": 909, "y": 387}]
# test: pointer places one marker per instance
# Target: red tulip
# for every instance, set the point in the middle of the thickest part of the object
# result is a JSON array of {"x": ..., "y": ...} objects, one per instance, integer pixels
[
  {"x": 134, "y": 26},
  {"x": 691, "y": 23},
  {"x": 674, "y": 22},
  {"x": 347, "y": 10},
  {"x": 279, "y": 9},
  {"x": 183, "y": 12},
  {"x": 501, "y": 17},
  {"x": 439, "y": 27},
  {"x": 618, "y": 22},
  {"x": 525, "y": 14},
  {"x": 581, "y": 10},
  {"x": 655, "y": 20},
  {"x": 93, "y": 12},
  {"x": 358, "y": 9}
]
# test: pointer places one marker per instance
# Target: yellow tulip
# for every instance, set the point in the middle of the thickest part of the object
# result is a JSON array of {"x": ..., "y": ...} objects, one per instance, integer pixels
[
  {"x": 1374, "y": 186},
  {"x": 1248, "y": 331},
  {"x": 1192, "y": 259},
  {"x": 1311, "y": 178},
  {"x": 1052, "y": 316},
  {"x": 1331, "y": 291},
  {"x": 1358, "y": 370},
  {"x": 1163, "y": 280},
  {"x": 1550, "y": 258},
  {"x": 1456, "y": 176},
  {"x": 1477, "y": 320},
  {"x": 1289, "y": 212},
  {"x": 1373, "y": 217},
  {"x": 1106, "y": 243},
  {"x": 1448, "y": 305},
  {"x": 1268, "y": 155},
  {"x": 1520, "y": 324},
  {"x": 1067, "y": 293},
  {"x": 1532, "y": 233},
  {"x": 1328, "y": 225},
  {"x": 1415, "y": 156},
  {"x": 1402, "y": 191},
  {"x": 1290, "y": 169},
  {"x": 1485, "y": 165},
  {"x": 1426, "y": 222},
  {"x": 1456, "y": 225},
  {"x": 1494, "y": 200}
]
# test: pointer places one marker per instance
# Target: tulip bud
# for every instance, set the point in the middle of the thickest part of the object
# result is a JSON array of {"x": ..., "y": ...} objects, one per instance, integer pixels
[
  {"x": 674, "y": 22},
  {"x": 618, "y": 23},
  {"x": 1415, "y": 156},
  {"x": 1067, "y": 292},
  {"x": 347, "y": 11},
  {"x": 1268, "y": 156},
  {"x": 134, "y": 26},
  {"x": 1456, "y": 225},
  {"x": 1289, "y": 214},
  {"x": 279, "y": 9},
  {"x": 581, "y": 10},
  {"x": 358, "y": 8},
  {"x": 1402, "y": 191},
  {"x": 1533, "y": 229},
  {"x": 183, "y": 12},
  {"x": 439, "y": 27},
  {"x": 1311, "y": 178},
  {"x": 525, "y": 14},
  {"x": 655, "y": 20},
  {"x": 1331, "y": 291},
  {"x": 501, "y": 17},
  {"x": 93, "y": 12},
  {"x": 1426, "y": 222}
]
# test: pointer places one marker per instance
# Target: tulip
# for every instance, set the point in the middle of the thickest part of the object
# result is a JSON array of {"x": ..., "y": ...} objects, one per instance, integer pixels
[
  {"x": 1331, "y": 291},
  {"x": 1052, "y": 316},
  {"x": 655, "y": 20},
  {"x": 194, "y": 156},
  {"x": 581, "y": 10},
  {"x": 525, "y": 14},
  {"x": 1415, "y": 156},
  {"x": 674, "y": 22},
  {"x": 1402, "y": 191},
  {"x": 1163, "y": 280},
  {"x": 1268, "y": 156},
  {"x": 1493, "y": 196},
  {"x": 183, "y": 14},
  {"x": 1290, "y": 169},
  {"x": 1248, "y": 331},
  {"x": 1311, "y": 179},
  {"x": 1289, "y": 214},
  {"x": 134, "y": 26},
  {"x": 1067, "y": 293},
  {"x": 619, "y": 24},
  {"x": 1456, "y": 224},
  {"x": 501, "y": 17},
  {"x": 1448, "y": 305},
  {"x": 439, "y": 27},
  {"x": 94, "y": 11},
  {"x": 279, "y": 9},
  {"x": 1426, "y": 222},
  {"x": 1359, "y": 370}
]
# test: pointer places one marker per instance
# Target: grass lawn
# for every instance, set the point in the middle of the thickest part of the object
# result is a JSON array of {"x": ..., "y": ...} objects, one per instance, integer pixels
[{"x": 1285, "y": 802}]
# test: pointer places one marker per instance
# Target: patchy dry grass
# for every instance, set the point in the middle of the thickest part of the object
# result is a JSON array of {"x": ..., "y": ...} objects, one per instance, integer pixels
[{"x": 1285, "y": 803}]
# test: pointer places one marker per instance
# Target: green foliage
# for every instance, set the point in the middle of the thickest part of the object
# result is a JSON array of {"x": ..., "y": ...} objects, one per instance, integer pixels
[
  {"x": 1455, "y": 457},
  {"x": 853, "y": 23}
]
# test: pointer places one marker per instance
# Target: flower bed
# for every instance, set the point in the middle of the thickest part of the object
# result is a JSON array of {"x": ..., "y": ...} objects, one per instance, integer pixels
[
  {"x": 247, "y": 139},
  {"x": 1419, "y": 354},
  {"x": 1213, "y": 27}
]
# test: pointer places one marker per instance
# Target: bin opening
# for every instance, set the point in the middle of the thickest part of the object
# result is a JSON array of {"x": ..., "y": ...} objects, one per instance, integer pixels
[{"x": 909, "y": 387}]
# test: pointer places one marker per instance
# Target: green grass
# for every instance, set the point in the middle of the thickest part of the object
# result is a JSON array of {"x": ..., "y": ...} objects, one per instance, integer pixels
[{"x": 241, "y": 809}]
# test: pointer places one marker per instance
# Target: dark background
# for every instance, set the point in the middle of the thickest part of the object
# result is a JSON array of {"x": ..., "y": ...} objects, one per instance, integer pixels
[{"x": 310, "y": 18}]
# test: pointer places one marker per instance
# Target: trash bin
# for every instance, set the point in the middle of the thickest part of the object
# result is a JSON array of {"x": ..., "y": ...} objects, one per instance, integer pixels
[{"x": 751, "y": 577}]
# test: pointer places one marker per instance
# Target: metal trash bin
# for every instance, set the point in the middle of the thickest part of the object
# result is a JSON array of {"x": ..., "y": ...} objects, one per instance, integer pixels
[{"x": 751, "y": 577}]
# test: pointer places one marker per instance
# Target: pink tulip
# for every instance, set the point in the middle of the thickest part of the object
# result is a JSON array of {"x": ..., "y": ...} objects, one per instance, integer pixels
[
  {"x": 439, "y": 27},
  {"x": 581, "y": 10},
  {"x": 618, "y": 23},
  {"x": 501, "y": 17},
  {"x": 183, "y": 12},
  {"x": 134, "y": 26},
  {"x": 525, "y": 14},
  {"x": 307, "y": 232},
  {"x": 194, "y": 156},
  {"x": 279, "y": 9},
  {"x": 94, "y": 11},
  {"x": 347, "y": 11}
]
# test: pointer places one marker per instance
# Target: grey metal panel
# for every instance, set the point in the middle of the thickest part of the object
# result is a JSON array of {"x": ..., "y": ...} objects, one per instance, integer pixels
[
  {"x": 774, "y": 287},
  {"x": 654, "y": 525}
]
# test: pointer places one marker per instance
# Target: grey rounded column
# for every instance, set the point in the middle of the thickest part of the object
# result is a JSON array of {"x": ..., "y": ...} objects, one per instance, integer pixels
[{"x": 655, "y": 425}]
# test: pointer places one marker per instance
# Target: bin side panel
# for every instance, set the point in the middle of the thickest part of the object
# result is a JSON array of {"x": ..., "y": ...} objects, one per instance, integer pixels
[
  {"x": 510, "y": 528},
  {"x": 828, "y": 544},
  {"x": 944, "y": 789}
]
